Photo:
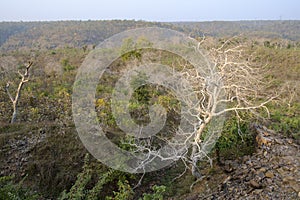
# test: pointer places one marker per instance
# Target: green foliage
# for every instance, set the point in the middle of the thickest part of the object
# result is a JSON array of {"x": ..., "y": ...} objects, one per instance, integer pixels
[
  {"x": 267, "y": 44},
  {"x": 105, "y": 116},
  {"x": 125, "y": 191},
  {"x": 82, "y": 187},
  {"x": 10, "y": 191},
  {"x": 169, "y": 102},
  {"x": 236, "y": 139},
  {"x": 286, "y": 119},
  {"x": 104, "y": 178},
  {"x": 127, "y": 52},
  {"x": 66, "y": 65},
  {"x": 142, "y": 92},
  {"x": 132, "y": 50},
  {"x": 78, "y": 191},
  {"x": 127, "y": 142},
  {"x": 157, "y": 195}
]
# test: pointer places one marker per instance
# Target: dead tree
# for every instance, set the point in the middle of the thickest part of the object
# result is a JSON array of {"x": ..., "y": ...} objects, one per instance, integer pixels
[
  {"x": 234, "y": 79},
  {"x": 24, "y": 79}
]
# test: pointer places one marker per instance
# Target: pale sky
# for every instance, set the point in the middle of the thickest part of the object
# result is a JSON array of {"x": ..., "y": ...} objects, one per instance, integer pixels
[{"x": 154, "y": 10}]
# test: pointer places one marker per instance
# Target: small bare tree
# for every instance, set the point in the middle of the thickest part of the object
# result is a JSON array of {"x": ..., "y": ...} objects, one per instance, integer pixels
[{"x": 24, "y": 79}]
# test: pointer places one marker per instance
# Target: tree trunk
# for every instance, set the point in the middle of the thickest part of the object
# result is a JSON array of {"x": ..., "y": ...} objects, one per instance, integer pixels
[
  {"x": 14, "y": 115},
  {"x": 195, "y": 171},
  {"x": 18, "y": 93}
]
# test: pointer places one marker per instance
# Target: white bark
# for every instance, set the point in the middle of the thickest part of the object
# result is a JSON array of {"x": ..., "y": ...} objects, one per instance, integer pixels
[
  {"x": 234, "y": 79},
  {"x": 24, "y": 79}
]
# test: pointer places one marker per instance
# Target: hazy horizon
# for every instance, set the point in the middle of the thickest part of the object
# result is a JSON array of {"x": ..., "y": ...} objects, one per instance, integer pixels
[
  {"x": 86, "y": 20},
  {"x": 155, "y": 10}
]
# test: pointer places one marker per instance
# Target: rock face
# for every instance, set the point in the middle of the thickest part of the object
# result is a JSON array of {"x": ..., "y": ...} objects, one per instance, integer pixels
[
  {"x": 273, "y": 172},
  {"x": 17, "y": 150}
]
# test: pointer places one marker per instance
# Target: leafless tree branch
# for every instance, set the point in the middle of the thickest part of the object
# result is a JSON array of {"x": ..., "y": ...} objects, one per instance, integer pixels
[
  {"x": 24, "y": 79},
  {"x": 234, "y": 79}
]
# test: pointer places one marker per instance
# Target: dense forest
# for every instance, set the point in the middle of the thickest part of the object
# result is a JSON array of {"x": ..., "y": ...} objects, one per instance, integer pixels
[{"x": 42, "y": 156}]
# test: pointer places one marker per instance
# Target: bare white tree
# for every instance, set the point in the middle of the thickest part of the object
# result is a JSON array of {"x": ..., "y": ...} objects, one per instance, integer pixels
[
  {"x": 235, "y": 80},
  {"x": 24, "y": 79},
  {"x": 233, "y": 83}
]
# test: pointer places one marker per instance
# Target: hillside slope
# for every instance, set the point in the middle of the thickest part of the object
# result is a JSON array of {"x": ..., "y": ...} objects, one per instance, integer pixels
[{"x": 50, "y": 35}]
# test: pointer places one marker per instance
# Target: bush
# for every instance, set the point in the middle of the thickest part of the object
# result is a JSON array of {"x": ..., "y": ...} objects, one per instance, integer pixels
[
  {"x": 86, "y": 188},
  {"x": 125, "y": 191},
  {"x": 157, "y": 195},
  {"x": 10, "y": 191},
  {"x": 286, "y": 120},
  {"x": 236, "y": 139}
]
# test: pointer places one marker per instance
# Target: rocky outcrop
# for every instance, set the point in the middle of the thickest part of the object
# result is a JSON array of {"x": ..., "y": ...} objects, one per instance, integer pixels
[{"x": 273, "y": 172}]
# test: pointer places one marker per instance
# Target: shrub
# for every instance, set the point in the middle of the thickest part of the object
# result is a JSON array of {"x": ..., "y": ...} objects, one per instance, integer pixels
[
  {"x": 11, "y": 191},
  {"x": 157, "y": 195}
]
